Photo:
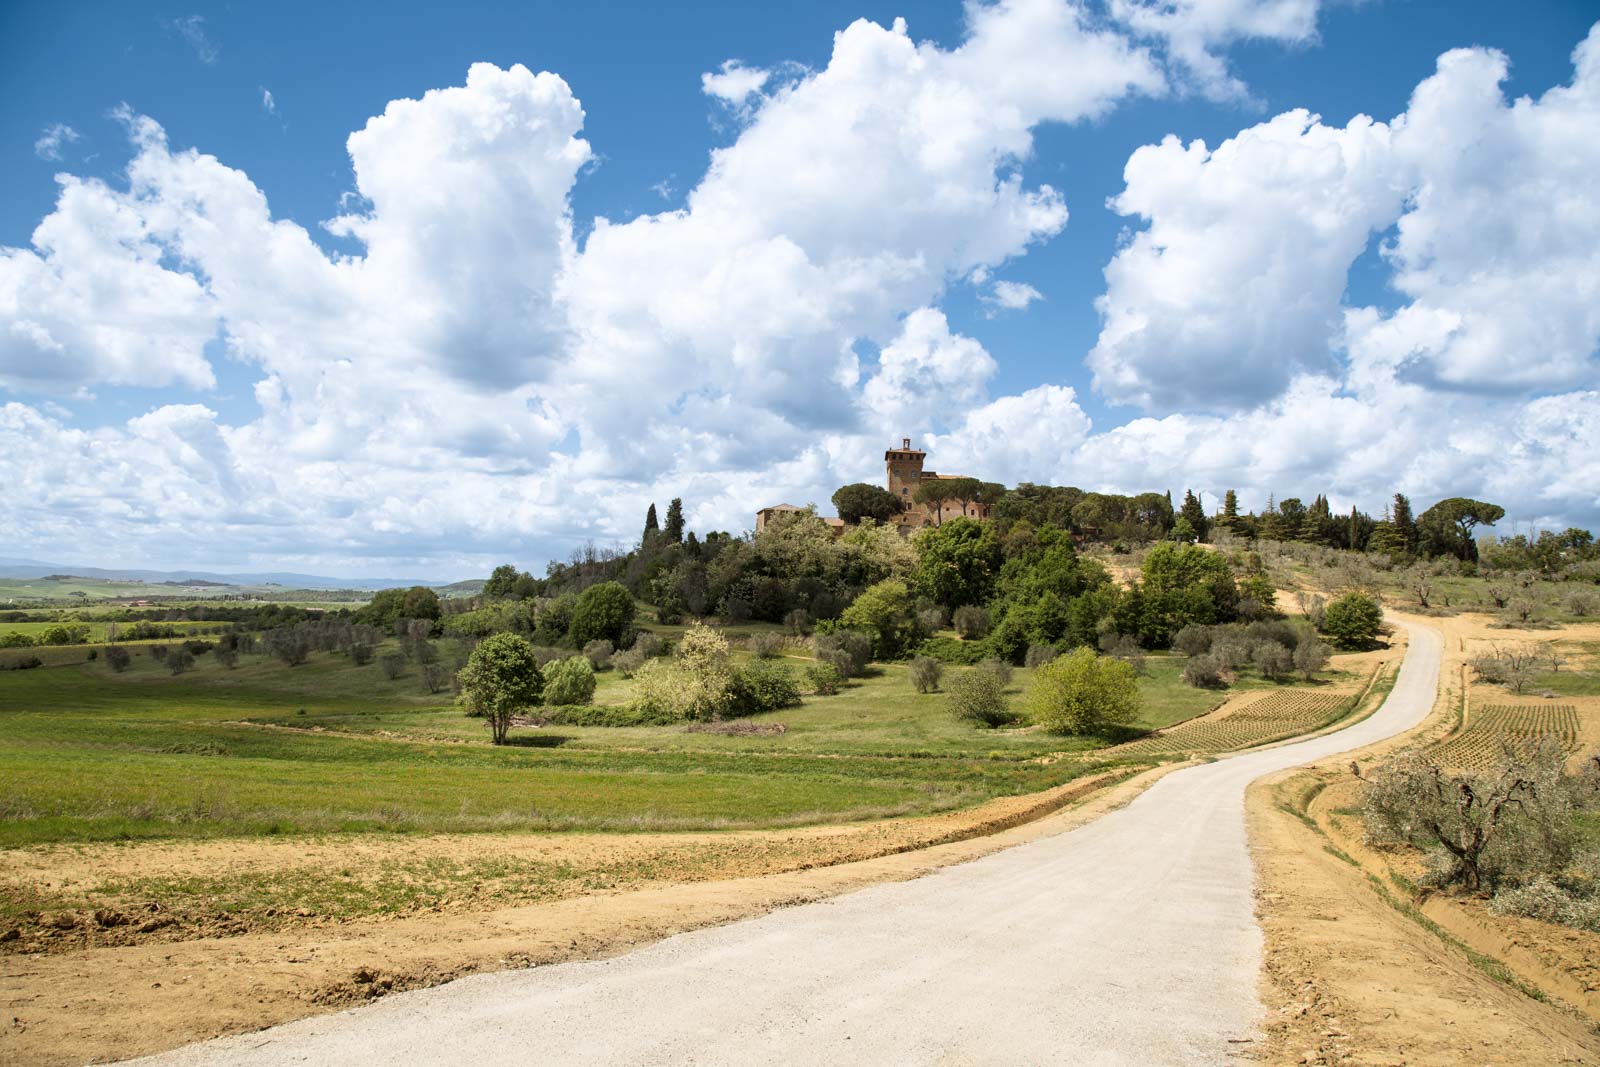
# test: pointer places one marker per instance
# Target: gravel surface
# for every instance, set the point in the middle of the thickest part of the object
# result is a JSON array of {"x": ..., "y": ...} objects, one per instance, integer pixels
[{"x": 1131, "y": 940}]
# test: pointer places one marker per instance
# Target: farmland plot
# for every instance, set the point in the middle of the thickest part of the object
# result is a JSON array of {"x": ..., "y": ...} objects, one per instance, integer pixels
[
  {"x": 1269, "y": 718},
  {"x": 1498, "y": 728}
]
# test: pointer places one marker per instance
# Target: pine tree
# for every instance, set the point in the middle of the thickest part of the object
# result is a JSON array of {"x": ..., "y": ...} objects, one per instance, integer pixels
[
  {"x": 674, "y": 527},
  {"x": 1230, "y": 506}
]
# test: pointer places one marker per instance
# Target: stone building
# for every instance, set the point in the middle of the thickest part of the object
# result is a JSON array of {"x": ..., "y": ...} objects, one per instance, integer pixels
[
  {"x": 905, "y": 473},
  {"x": 903, "y": 470}
]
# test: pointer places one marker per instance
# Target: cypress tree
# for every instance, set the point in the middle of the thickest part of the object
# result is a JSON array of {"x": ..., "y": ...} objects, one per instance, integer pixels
[
  {"x": 650, "y": 525},
  {"x": 1404, "y": 524},
  {"x": 1195, "y": 512},
  {"x": 674, "y": 527}
]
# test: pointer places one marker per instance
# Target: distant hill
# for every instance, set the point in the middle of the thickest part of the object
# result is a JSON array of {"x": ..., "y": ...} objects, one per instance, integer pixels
[{"x": 35, "y": 569}]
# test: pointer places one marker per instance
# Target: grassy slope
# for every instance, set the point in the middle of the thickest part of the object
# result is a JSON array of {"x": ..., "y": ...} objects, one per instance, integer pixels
[{"x": 87, "y": 754}]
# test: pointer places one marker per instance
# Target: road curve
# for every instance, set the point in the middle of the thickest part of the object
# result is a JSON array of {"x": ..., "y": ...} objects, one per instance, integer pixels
[{"x": 1131, "y": 940}]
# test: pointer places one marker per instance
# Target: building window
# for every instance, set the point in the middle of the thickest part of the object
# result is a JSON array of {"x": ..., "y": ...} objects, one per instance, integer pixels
[{"x": 905, "y": 492}]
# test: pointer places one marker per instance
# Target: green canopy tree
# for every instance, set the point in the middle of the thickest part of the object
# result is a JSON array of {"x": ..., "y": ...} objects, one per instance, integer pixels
[
  {"x": 887, "y": 614},
  {"x": 1446, "y": 528},
  {"x": 603, "y": 611},
  {"x": 957, "y": 562},
  {"x": 860, "y": 500},
  {"x": 1183, "y": 584},
  {"x": 501, "y": 678}
]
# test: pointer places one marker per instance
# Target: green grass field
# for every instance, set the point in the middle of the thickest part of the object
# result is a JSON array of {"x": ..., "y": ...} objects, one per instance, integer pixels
[{"x": 87, "y": 754}]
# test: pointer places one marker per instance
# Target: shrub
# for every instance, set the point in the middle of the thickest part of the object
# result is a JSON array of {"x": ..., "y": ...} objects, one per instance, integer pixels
[
  {"x": 1583, "y": 604},
  {"x": 999, "y": 668},
  {"x": 762, "y": 685},
  {"x": 925, "y": 671},
  {"x": 824, "y": 679},
  {"x": 1206, "y": 672},
  {"x": 1272, "y": 660},
  {"x": 1274, "y": 630},
  {"x": 1231, "y": 650},
  {"x": 604, "y": 715},
  {"x": 392, "y": 664},
  {"x": 180, "y": 660},
  {"x": 436, "y": 677},
  {"x": 228, "y": 656},
  {"x": 159, "y": 653},
  {"x": 797, "y": 622},
  {"x": 598, "y": 652},
  {"x": 25, "y": 663},
  {"x": 602, "y": 611},
  {"x": 361, "y": 654},
  {"x": 63, "y": 634},
  {"x": 1353, "y": 621},
  {"x": 766, "y": 645},
  {"x": 1193, "y": 640},
  {"x": 847, "y": 650},
  {"x": 978, "y": 695},
  {"x": 1310, "y": 656},
  {"x": 1039, "y": 655},
  {"x": 569, "y": 681},
  {"x": 118, "y": 658},
  {"x": 627, "y": 662},
  {"x": 931, "y": 620},
  {"x": 1082, "y": 693},
  {"x": 971, "y": 622},
  {"x": 1124, "y": 647},
  {"x": 1549, "y": 902},
  {"x": 15, "y": 639},
  {"x": 648, "y": 644},
  {"x": 950, "y": 650}
]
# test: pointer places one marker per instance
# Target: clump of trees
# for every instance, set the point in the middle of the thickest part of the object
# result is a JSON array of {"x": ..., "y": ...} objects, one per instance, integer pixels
[{"x": 700, "y": 682}]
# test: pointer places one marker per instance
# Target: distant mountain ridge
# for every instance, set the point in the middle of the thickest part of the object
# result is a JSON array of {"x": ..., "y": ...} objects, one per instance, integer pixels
[{"x": 34, "y": 569}]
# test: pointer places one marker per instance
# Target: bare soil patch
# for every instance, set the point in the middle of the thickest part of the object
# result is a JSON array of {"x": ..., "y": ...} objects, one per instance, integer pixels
[{"x": 1350, "y": 978}]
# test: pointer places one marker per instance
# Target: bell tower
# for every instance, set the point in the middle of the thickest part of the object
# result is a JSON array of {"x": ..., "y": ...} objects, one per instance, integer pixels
[{"x": 904, "y": 466}]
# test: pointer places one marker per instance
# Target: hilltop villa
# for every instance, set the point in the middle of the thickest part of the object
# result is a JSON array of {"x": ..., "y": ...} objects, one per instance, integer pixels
[{"x": 903, "y": 467}]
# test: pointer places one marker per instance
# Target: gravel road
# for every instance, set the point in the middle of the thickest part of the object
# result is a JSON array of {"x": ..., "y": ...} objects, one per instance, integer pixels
[{"x": 1131, "y": 940}]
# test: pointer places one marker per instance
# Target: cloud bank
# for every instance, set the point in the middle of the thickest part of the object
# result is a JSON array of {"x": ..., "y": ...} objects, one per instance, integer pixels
[{"x": 473, "y": 384}]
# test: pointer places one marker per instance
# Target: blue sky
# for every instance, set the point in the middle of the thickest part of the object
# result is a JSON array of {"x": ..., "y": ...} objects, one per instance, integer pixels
[{"x": 628, "y": 402}]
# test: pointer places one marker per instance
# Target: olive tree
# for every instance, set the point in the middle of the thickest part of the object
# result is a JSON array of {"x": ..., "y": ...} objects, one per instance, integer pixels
[{"x": 501, "y": 678}]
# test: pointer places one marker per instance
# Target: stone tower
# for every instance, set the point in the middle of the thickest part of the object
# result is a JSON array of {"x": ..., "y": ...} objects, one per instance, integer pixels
[{"x": 905, "y": 470}]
